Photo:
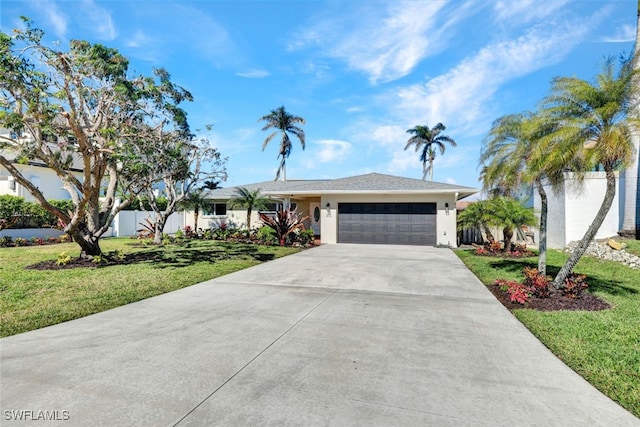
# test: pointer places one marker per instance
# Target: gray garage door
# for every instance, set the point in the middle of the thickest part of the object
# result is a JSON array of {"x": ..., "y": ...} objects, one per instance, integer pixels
[{"x": 387, "y": 223}]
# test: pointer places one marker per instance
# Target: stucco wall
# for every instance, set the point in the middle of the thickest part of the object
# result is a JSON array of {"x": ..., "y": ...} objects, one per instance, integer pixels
[
  {"x": 573, "y": 209},
  {"x": 446, "y": 220},
  {"x": 44, "y": 178}
]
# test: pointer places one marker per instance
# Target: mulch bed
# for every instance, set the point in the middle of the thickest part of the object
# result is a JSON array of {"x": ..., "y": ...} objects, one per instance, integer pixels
[{"x": 556, "y": 301}]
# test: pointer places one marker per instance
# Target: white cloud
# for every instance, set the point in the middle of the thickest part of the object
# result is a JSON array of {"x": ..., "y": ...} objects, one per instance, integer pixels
[
  {"x": 254, "y": 74},
  {"x": 461, "y": 95},
  {"x": 138, "y": 40},
  {"x": 98, "y": 19},
  {"x": 331, "y": 150},
  {"x": 526, "y": 10},
  {"x": 58, "y": 20},
  {"x": 626, "y": 33},
  {"x": 384, "y": 43}
]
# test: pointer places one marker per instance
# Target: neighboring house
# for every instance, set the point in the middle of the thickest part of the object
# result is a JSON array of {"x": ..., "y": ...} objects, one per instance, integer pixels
[
  {"x": 572, "y": 209},
  {"x": 371, "y": 208},
  {"x": 37, "y": 173}
]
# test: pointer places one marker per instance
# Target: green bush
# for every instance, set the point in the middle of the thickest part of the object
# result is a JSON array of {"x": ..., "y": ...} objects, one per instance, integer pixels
[
  {"x": 267, "y": 235},
  {"x": 22, "y": 214},
  {"x": 136, "y": 205}
]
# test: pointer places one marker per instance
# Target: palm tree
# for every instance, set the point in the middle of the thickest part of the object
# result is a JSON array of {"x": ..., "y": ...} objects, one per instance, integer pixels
[
  {"x": 511, "y": 158},
  {"x": 476, "y": 215},
  {"x": 283, "y": 123},
  {"x": 509, "y": 214},
  {"x": 592, "y": 125},
  {"x": 245, "y": 198},
  {"x": 424, "y": 139},
  {"x": 631, "y": 222},
  {"x": 210, "y": 185},
  {"x": 195, "y": 200}
]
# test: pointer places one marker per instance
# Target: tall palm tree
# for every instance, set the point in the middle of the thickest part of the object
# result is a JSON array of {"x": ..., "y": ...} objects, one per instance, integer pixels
[
  {"x": 425, "y": 139},
  {"x": 245, "y": 198},
  {"x": 284, "y": 124},
  {"x": 592, "y": 125},
  {"x": 511, "y": 158},
  {"x": 631, "y": 220}
]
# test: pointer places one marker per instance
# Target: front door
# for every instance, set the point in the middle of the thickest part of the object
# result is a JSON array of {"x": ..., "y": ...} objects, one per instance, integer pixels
[{"x": 315, "y": 212}]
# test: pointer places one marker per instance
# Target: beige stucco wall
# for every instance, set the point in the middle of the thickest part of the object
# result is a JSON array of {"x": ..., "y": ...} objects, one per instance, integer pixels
[{"x": 445, "y": 221}]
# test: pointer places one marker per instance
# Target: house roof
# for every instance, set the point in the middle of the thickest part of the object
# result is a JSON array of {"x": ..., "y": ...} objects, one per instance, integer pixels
[{"x": 371, "y": 183}]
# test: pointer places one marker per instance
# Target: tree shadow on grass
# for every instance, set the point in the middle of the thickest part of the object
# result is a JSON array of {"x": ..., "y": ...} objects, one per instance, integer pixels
[
  {"x": 177, "y": 255},
  {"x": 597, "y": 283}
]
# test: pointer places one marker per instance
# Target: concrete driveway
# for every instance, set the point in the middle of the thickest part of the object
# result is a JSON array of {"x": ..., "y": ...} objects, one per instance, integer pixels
[{"x": 336, "y": 335}]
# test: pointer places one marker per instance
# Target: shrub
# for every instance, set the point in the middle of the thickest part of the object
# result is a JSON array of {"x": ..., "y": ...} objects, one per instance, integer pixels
[
  {"x": 518, "y": 292},
  {"x": 64, "y": 238},
  {"x": 64, "y": 258},
  {"x": 574, "y": 285},
  {"x": 284, "y": 222},
  {"x": 536, "y": 283},
  {"x": 6, "y": 241},
  {"x": 37, "y": 241},
  {"x": 21, "y": 241},
  {"x": 305, "y": 236},
  {"x": 267, "y": 235},
  {"x": 53, "y": 240}
]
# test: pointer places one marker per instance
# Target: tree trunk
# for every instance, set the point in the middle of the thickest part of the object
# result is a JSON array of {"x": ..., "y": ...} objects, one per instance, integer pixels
[
  {"x": 196, "y": 213},
  {"x": 630, "y": 218},
  {"x": 487, "y": 232},
  {"x": 507, "y": 233},
  {"x": 159, "y": 224},
  {"x": 609, "y": 195},
  {"x": 248, "y": 219},
  {"x": 542, "y": 243},
  {"x": 89, "y": 244}
]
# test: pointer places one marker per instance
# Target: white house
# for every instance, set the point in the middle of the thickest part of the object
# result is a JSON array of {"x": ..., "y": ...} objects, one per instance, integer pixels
[{"x": 371, "y": 208}]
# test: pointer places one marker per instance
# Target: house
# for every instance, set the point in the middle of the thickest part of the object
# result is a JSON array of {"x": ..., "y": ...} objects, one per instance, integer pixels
[
  {"x": 371, "y": 208},
  {"x": 573, "y": 207}
]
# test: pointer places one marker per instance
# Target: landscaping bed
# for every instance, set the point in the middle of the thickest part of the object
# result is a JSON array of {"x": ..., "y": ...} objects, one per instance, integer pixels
[{"x": 600, "y": 343}]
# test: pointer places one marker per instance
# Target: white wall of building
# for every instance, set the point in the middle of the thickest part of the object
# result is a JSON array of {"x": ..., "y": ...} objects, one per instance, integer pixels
[
  {"x": 43, "y": 178},
  {"x": 573, "y": 209}
]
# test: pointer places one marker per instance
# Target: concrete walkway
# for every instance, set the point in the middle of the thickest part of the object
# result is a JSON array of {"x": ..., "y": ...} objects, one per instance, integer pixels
[{"x": 336, "y": 335}]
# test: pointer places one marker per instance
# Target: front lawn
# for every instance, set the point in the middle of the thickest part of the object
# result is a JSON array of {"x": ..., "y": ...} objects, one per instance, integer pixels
[
  {"x": 602, "y": 346},
  {"x": 31, "y": 299}
]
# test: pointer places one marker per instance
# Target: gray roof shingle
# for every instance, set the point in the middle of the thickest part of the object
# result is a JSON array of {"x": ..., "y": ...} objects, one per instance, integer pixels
[{"x": 368, "y": 183}]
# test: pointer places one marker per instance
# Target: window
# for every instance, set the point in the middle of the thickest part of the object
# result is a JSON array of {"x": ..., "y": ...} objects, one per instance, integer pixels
[
  {"x": 274, "y": 207},
  {"x": 215, "y": 209}
]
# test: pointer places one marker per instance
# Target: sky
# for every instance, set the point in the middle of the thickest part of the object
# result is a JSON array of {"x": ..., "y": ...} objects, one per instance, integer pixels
[{"x": 360, "y": 72}]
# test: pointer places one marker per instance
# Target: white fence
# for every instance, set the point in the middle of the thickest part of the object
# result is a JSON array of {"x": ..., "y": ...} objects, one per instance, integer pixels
[{"x": 127, "y": 223}]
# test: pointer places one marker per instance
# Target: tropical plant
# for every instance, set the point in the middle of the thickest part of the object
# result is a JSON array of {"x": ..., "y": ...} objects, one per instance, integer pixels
[
  {"x": 509, "y": 214},
  {"x": 210, "y": 185},
  {"x": 284, "y": 123},
  {"x": 592, "y": 125},
  {"x": 284, "y": 222},
  {"x": 511, "y": 158},
  {"x": 249, "y": 200},
  {"x": 424, "y": 140},
  {"x": 476, "y": 215},
  {"x": 195, "y": 200}
]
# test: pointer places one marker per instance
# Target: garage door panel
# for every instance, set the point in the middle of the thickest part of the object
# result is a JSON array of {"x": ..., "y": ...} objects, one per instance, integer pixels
[{"x": 387, "y": 223}]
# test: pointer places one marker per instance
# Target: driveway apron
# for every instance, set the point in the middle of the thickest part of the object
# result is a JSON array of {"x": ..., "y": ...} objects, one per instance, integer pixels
[{"x": 335, "y": 335}]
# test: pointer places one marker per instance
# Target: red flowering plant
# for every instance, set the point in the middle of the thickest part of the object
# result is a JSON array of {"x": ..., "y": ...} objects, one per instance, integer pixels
[{"x": 518, "y": 292}]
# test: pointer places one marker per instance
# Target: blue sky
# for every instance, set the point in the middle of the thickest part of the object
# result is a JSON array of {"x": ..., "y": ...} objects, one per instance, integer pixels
[{"x": 360, "y": 72}]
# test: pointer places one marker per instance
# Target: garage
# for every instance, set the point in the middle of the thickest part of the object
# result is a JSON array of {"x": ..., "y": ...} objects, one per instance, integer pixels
[{"x": 387, "y": 223}]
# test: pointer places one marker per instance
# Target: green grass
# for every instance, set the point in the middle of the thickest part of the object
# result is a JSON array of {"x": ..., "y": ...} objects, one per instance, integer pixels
[
  {"x": 603, "y": 346},
  {"x": 32, "y": 299}
]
